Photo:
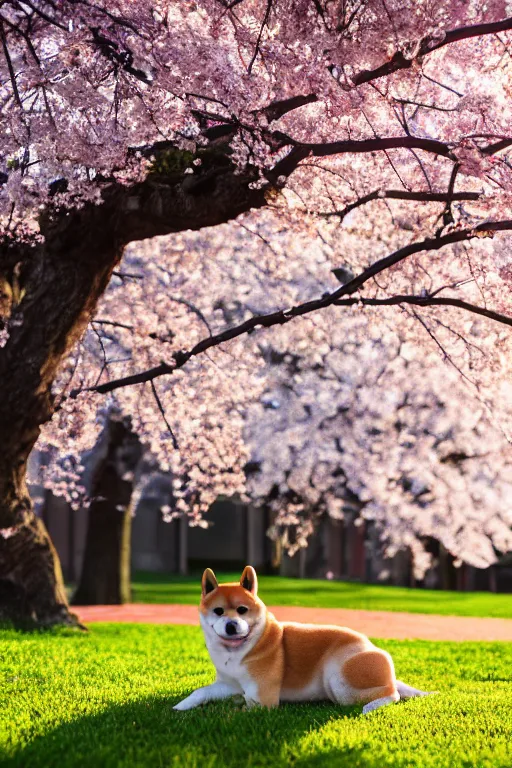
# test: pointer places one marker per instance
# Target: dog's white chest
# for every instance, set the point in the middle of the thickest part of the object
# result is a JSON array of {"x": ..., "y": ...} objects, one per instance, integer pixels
[
  {"x": 229, "y": 666},
  {"x": 230, "y": 662}
]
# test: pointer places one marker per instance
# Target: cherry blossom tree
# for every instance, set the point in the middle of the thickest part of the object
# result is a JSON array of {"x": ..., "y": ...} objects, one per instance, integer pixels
[
  {"x": 352, "y": 412},
  {"x": 379, "y": 128},
  {"x": 369, "y": 427}
]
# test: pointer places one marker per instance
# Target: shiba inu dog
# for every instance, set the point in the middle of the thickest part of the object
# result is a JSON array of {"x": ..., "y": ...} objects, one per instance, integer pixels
[{"x": 269, "y": 662}]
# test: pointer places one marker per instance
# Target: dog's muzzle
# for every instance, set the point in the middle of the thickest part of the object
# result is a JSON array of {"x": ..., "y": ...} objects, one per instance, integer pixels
[{"x": 232, "y": 632}]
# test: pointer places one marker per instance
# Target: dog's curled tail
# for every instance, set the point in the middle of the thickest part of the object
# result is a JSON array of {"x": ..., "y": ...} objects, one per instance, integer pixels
[{"x": 407, "y": 692}]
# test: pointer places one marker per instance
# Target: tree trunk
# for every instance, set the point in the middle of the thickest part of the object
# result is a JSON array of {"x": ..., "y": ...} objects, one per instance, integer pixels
[
  {"x": 31, "y": 586},
  {"x": 448, "y": 573},
  {"x": 105, "y": 577},
  {"x": 53, "y": 294}
]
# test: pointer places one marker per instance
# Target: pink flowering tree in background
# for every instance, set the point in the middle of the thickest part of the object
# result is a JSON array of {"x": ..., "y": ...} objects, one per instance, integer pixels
[
  {"x": 335, "y": 413},
  {"x": 381, "y": 130},
  {"x": 368, "y": 427}
]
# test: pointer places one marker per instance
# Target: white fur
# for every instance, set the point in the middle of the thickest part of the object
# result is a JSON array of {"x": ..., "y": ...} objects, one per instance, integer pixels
[
  {"x": 403, "y": 692},
  {"x": 217, "y": 690},
  {"x": 376, "y": 703},
  {"x": 225, "y": 658},
  {"x": 232, "y": 675},
  {"x": 336, "y": 687},
  {"x": 407, "y": 692},
  {"x": 218, "y": 624}
]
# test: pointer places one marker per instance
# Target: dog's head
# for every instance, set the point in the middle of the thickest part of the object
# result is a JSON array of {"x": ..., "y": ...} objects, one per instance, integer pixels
[{"x": 231, "y": 613}]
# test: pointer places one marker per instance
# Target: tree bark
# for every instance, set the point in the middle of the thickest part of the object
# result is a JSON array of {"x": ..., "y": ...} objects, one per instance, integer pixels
[
  {"x": 49, "y": 288},
  {"x": 54, "y": 287},
  {"x": 31, "y": 585},
  {"x": 105, "y": 577}
]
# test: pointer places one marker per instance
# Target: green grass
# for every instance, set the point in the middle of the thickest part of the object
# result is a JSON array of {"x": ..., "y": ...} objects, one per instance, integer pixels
[
  {"x": 104, "y": 700},
  {"x": 278, "y": 590}
]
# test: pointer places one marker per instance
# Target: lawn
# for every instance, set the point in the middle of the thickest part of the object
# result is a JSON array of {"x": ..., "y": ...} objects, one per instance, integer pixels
[
  {"x": 278, "y": 590},
  {"x": 104, "y": 699}
]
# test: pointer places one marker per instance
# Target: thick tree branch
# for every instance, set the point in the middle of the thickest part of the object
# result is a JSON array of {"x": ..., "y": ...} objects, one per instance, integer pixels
[
  {"x": 300, "y": 151},
  {"x": 401, "y": 194},
  {"x": 493, "y": 149},
  {"x": 281, "y": 317},
  {"x": 277, "y": 109},
  {"x": 427, "y": 301},
  {"x": 174, "y": 202},
  {"x": 429, "y": 45},
  {"x": 379, "y": 145}
]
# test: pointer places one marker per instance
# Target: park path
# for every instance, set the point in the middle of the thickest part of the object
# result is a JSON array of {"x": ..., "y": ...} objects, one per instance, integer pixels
[{"x": 383, "y": 624}]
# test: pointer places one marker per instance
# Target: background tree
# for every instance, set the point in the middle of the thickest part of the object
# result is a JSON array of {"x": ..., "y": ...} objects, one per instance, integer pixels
[
  {"x": 123, "y": 123},
  {"x": 368, "y": 428},
  {"x": 106, "y": 570},
  {"x": 356, "y": 411}
]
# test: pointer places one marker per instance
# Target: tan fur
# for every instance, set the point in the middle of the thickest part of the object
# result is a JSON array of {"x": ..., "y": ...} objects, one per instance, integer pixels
[
  {"x": 306, "y": 647},
  {"x": 294, "y": 654},
  {"x": 265, "y": 662},
  {"x": 228, "y": 596},
  {"x": 269, "y": 661},
  {"x": 368, "y": 669}
]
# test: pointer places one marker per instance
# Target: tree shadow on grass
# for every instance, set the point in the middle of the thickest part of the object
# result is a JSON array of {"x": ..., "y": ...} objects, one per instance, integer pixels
[{"x": 149, "y": 734}]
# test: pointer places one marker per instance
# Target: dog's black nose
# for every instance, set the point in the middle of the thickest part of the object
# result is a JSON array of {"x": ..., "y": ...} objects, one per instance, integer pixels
[{"x": 231, "y": 628}]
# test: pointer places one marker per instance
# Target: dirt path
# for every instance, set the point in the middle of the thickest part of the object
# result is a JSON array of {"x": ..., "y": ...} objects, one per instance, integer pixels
[{"x": 373, "y": 623}]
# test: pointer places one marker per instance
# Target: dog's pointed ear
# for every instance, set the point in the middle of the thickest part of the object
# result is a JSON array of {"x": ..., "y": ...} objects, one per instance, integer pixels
[
  {"x": 209, "y": 582},
  {"x": 249, "y": 580}
]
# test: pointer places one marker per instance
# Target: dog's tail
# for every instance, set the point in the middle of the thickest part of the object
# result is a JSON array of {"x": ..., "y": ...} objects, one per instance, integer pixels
[{"x": 406, "y": 692}]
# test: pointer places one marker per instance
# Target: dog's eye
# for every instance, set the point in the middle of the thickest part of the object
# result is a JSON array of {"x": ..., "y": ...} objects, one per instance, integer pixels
[
  {"x": 242, "y": 609},
  {"x": 218, "y": 611}
]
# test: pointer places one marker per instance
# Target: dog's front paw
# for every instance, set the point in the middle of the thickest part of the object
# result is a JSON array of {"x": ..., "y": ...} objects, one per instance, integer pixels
[{"x": 181, "y": 706}]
